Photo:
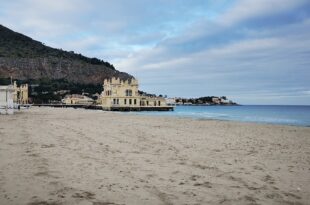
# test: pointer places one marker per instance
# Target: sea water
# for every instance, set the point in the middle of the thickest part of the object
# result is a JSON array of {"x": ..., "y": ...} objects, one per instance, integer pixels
[{"x": 274, "y": 114}]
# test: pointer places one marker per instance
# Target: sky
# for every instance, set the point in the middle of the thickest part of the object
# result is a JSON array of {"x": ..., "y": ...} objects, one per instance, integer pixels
[{"x": 252, "y": 51}]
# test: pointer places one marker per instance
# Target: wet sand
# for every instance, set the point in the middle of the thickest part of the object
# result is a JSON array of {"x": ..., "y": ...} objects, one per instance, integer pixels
[{"x": 75, "y": 156}]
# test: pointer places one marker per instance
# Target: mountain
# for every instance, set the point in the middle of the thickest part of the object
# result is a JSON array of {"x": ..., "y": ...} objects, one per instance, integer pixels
[{"x": 24, "y": 58}]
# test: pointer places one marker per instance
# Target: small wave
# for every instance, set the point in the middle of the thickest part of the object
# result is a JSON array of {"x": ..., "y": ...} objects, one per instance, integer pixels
[
  {"x": 272, "y": 120},
  {"x": 262, "y": 114}
]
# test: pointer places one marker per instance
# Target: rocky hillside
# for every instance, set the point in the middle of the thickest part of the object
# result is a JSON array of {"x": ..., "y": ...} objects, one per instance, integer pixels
[{"x": 24, "y": 58}]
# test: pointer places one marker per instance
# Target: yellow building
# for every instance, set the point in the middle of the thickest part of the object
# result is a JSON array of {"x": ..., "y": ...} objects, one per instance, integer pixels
[
  {"x": 20, "y": 95},
  {"x": 76, "y": 99},
  {"x": 118, "y": 93}
]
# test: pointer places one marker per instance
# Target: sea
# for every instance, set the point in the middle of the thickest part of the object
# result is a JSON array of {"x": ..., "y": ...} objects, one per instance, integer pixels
[{"x": 268, "y": 114}]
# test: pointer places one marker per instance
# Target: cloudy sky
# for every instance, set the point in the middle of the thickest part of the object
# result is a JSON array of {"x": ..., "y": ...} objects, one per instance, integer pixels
[{"x": 252, "y": 51}]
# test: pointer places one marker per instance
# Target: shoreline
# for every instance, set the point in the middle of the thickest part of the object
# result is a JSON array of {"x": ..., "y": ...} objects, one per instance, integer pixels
[
  {"x": 139, "y": 113},
  {"x": 231, "y": 118},
  {"x": 215, "y": 119},
  {"x": 209, "y": 119},
  {"x": 77, "y": 156}
]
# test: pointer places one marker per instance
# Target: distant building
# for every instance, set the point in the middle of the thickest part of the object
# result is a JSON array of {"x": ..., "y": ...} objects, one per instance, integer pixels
[
  {"x": 216, "y": 100},
  {"x": 6, "y": 99},
  {"x": 179, "y": 101},
  {"x": 170, "y": 101},
  {"x": 76, "y": 99},
  {"x": 223, "y": 101},
  {"x": 20, "y": 95},
  {"x": 125, "y": 94},
  {"x": 187, "y": 103}
]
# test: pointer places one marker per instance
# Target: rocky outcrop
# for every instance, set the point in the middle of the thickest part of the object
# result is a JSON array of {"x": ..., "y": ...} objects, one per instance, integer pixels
[
  {"x": 57, "y": 68},
  {"x": 24, "y": 58}
]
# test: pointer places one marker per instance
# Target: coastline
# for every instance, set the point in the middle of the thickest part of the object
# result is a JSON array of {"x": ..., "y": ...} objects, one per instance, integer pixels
[
  {"x": 77, "y": 156},
  {"x": 210, "y": 119},
  {"x": 262, "y": 114}
]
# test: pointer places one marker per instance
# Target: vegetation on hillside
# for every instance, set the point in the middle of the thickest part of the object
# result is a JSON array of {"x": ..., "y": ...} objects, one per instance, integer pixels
[
  {"x": 206, "y": 100},
  {"x": 52, "y": 91}
]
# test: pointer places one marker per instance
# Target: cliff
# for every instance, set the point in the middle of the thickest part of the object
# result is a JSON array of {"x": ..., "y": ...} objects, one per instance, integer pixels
[{"x": 24, "y": 58}]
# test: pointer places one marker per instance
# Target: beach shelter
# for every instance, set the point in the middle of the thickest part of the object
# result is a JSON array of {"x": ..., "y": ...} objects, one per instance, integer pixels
[{"x": 6, "y": 99}]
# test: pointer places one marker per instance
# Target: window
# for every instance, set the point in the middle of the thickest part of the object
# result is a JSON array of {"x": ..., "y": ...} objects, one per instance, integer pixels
[
  {"x": 147, "y": 103},
  {"x": 154, "y": 103},
  {"x": 158, "y": 103},
  {"x": 114, "y": 101},
  {"x": 129, "y": 101},
  {"x": 125, "y": 101},
  {"x": 135, "y": 101},
  {"x": 117, "y": 101},
  {"x": 128, "y": 92}
]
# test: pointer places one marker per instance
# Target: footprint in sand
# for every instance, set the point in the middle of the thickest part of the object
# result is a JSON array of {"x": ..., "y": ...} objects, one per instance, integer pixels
[
  {"x": 268, "y": 179},
  {"x": 204, "y": 184},
  {"x": 47, "y": 145},
  {"x": 84, "y": 195}
]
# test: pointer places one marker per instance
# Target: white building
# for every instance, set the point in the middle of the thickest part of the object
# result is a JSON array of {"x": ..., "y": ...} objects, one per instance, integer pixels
[
  {"x": 6, "y": 99},
  {"x": 170, "y": 101}
]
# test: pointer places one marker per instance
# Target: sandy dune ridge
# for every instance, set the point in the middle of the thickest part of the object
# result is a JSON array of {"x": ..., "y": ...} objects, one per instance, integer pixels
[{"x": 75, "y": 156}]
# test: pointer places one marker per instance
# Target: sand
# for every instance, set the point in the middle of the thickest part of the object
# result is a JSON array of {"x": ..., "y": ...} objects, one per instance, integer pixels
[{"x": 75, "y": 156}]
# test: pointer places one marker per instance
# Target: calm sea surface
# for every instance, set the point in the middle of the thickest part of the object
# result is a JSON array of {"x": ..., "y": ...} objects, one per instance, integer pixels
[{"x": 275, "y": 114}]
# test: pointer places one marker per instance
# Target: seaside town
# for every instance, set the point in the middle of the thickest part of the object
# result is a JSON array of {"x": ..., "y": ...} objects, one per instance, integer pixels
[
  {"x": 155, "y": 102},
  {"x": 117, "y": 95}
]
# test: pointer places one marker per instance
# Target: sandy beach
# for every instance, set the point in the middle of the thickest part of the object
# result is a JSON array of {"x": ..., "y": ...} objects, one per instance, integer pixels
[{"x": 52, "y": 156}]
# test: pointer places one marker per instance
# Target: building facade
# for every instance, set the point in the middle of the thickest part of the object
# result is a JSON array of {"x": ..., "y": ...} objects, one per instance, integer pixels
[
  {"x": 76, "y": 99},
  {"x": 125, "y": 94},
  {"x": 20, "y": 95}
]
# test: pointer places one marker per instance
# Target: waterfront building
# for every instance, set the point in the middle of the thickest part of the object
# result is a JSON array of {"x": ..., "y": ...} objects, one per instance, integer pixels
[
  {"x": 124, "y": 94},
  {"x": 171, "y": 101},
  {"x": 76, "y": 99}
]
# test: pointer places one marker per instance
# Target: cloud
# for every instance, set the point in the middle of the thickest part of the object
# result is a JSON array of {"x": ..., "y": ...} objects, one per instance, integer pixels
[
  {"x": 245, "y": 10},
  {"x": 237, "y": 48}
]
